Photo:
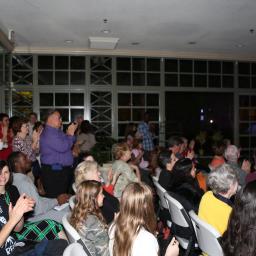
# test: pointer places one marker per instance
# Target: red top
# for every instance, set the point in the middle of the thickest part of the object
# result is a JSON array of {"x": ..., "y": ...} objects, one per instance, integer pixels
[{"x": 5, "y": 152}]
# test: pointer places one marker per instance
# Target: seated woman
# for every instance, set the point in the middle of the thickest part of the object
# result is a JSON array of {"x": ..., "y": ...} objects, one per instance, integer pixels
[
  {"x": 88, "y": 170},
  {"x": 239, "y": 239},
  {"x": 87, "y": 219},
  {"x": 12, "y": 209},
  {"x": 133, "y": 232},
  {"x": 218, "y": 158},
  {"x": 22, "y": 142},
  {"x": 216, "y": 206},
  {"x": 129, "y": 173},
  {"x": 185, "y": 185},
  {"x": 37, "y": 231},
  {"x": 166, "y": 161}
]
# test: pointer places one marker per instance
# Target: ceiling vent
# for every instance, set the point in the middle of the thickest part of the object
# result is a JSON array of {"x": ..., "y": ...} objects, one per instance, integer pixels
[{"x": 103, "y": 42}]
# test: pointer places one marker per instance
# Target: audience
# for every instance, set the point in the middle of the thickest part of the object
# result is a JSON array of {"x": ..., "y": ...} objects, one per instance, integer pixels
[
  {"x": 36, "y": 231},
  {"x": 137, "y": 155},
  {"x": 11, "y": 219},
  {"x": 216, "y": 206},
  {"x": 56, "y": 155},
  {"x": 87, "y": 219},
  {"x": 32, "y": 121},
  {"x": 122, "y": 155},
  {"x": 185, "y": 185},
  {"x": 134, "y": 229},
  {"x": 239, "y": 238},
  {"x": 22, "y": 142},
  {"x": 5, "y": 137},
  {"x": 130, "y": 134},
  {"x": 174, "y": 145},
  {"x": 88, "y": 170},
  {"x": 232, "y": 155},
  {"x": 166, "y": 161},
  {"x": 218, "y": 158},
  {"x": 146, "y": 135},
  {"x": 19, "y": 165},
  {"x": 86, "y": 138}
]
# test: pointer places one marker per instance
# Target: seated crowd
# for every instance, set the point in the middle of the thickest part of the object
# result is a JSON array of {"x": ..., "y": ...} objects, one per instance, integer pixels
[{"x": 115, "y": 209}]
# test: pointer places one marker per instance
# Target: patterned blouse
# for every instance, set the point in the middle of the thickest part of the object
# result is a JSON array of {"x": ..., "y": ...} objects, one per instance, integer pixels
[{"x": 24, "y": 146}]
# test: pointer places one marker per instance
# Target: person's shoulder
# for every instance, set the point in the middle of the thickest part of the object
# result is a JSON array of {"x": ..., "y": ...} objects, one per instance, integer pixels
[
  {"x": 144, "y": 234},
  {"x": 145, "y": 244},
  {"x": 92, "y": 221},
  {"x": 208, "y": 195}
]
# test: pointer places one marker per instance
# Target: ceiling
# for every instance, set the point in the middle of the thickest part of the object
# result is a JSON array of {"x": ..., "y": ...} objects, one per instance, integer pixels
[{"x": 211, "y": 28}]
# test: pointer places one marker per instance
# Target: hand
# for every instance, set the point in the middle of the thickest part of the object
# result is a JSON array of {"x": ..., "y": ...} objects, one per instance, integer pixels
[
  {"x": 63, "y": 198},
  {"x": 190, "y": 154},
  {"x": 191, "y": 144},
  {"x": 174, "y": 159},
  {"x": 71, "y": 129},
  {"x": 23, "y": 205},
  {"x": 173, "y": 248},
  {"x": 35, "y": 136},
  {"x": 246, "y": 166}
]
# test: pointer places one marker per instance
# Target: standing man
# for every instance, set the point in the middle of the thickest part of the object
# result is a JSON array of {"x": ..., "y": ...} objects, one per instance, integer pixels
[
  {"x": 56, "y": 155},
  {"x": 146, "y": 135}
]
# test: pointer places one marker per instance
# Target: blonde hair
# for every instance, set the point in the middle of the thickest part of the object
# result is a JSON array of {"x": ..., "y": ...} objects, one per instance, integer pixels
[
  {"x": 84, "y": 170},
  {"x": 86, "y": 203},
  {"x": 136, "y": 211},
  {"x": 119, "y": 149}
]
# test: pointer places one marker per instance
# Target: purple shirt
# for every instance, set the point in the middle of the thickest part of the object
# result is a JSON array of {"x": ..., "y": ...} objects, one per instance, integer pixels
[{"x": 55, "y": 147}]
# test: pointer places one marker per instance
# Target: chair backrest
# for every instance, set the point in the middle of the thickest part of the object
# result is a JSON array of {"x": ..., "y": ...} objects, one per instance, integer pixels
[
  {"x": 183, "y": 226},
  {"x": 72, "y": 234},
  {"x": 207, "y": 236},
  {"x": 160, "y": 192},
  {"x": 72, "y": 201},
  {"x": 74, "y": 249},
  {"x": 178, "y": 214}
]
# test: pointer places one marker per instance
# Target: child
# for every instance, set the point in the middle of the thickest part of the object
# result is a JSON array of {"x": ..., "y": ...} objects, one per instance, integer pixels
[
  {"x": 87, "y": 219},
  {"x": 133, "y": 232},
  {"x": 122, "y": 154}
]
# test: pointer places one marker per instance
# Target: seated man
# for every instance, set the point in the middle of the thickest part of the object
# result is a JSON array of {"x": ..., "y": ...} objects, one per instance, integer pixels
[{"x": 20, "y": 165}]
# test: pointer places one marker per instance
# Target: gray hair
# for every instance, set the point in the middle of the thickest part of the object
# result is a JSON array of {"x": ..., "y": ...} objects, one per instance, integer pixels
[{"x": 221, "y": 179}]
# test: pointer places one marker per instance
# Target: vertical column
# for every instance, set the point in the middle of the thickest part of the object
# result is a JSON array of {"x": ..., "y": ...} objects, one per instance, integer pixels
[{"x": 236, "y": 107}]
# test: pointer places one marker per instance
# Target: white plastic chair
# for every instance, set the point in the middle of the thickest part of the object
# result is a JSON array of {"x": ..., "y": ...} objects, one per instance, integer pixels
[
  {"x": 72, "y": 201},
  {"x": 207, "y": 236},
  {"x": 162, "y": 201},
  {"x": 72, "y": 234},
  {"x": 183, "y": 222},
  {"x": 74, "y": 249}
]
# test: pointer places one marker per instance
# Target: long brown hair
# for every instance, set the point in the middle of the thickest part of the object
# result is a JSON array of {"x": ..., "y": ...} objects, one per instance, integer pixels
[
  {"x": 86, "y": 203},
  {"x": 136, "y": 211}
]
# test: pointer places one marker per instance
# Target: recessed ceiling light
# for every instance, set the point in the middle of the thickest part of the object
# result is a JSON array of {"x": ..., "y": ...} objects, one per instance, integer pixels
[
  {"x": 240, "y": 45},
  {"x": 106, "y": 31},
  {"x": 192, "y": 42},
  {"x": 68, "y": 41},
  {"x": 135, "y": 43}
]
